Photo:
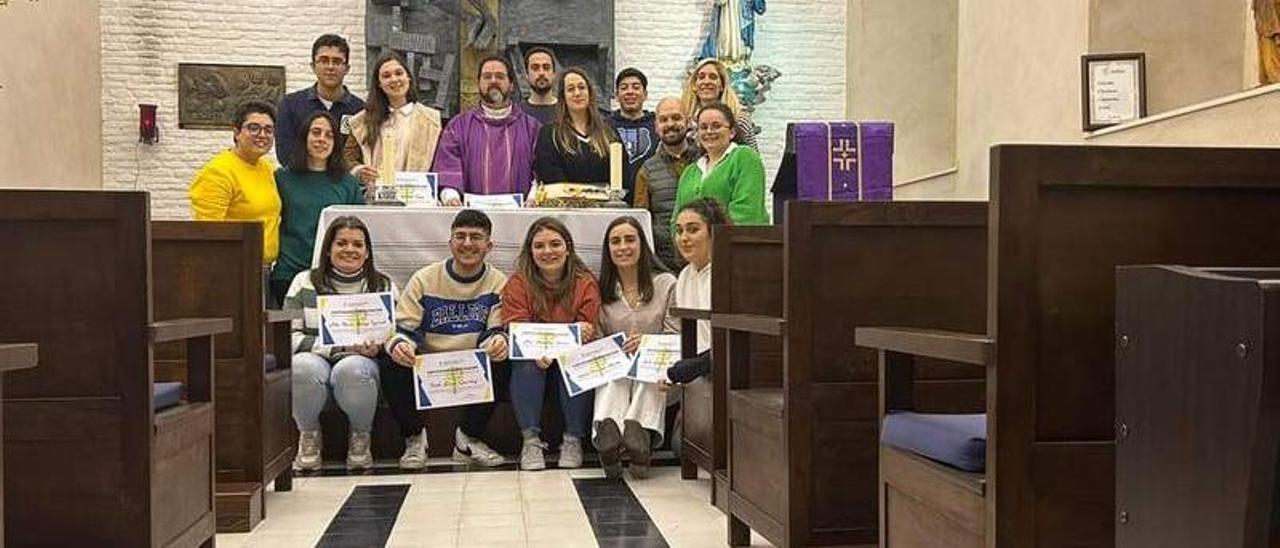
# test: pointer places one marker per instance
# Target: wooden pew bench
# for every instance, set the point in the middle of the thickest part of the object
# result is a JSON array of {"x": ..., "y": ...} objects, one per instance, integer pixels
[
  {"x": 215, "y": 269},
  {"x": 98, "y": 462},
  {"x": 802, "y": 441},
  {"x": 13, "y": 357},
  {"x": 1197, "y": 416},
  {"x": 1063, "y": 218}
]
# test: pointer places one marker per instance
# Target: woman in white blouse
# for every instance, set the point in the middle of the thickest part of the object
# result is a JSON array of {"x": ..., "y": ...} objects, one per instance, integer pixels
[{"x": 394, "y": 132}]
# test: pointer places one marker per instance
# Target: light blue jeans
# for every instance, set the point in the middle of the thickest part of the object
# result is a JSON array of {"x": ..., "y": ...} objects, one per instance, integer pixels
[{"x": 354, "y": 384}]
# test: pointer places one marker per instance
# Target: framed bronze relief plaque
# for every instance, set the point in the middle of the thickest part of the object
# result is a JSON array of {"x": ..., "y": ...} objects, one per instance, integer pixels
[{"x": 208, "y": 94}]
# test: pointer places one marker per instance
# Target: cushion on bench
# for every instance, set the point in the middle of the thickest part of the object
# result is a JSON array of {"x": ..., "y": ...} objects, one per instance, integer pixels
[
  {"x": 166, "y": 394},
  {"x": 959, "y": 441}
]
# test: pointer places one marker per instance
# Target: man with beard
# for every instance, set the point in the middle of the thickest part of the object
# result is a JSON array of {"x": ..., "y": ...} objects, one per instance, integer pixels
[
  {"x": 634, "y": 124},
  {"x": 659, "y": 177},
  {"x": 329, "y": 62},
  {"x": 488, "y": 149},
  {"x": 540, "y": 65}
]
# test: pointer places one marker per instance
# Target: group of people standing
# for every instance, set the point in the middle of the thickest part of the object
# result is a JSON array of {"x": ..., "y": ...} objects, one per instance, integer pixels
[
  {"x": 695, "y": 153},
  {"x": 465, "y": 303}
]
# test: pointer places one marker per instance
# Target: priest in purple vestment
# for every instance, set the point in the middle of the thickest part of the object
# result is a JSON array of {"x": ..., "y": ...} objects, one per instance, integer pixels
[{"x": 489, "y": 149}]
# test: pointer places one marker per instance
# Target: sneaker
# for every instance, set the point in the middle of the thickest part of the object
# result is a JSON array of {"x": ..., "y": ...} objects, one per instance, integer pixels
[
  {"x": 308, "y": 457},
  {"x": 415, "y": 452},
  {"x": 608, "y": 443},
  {"x": 358, "y": 455},
  {"x": 639, "y": 446},
  {"x": 531, "y": 457},
  {"x": 469, "y": 450},
  {"x": 570, "y": 453}
]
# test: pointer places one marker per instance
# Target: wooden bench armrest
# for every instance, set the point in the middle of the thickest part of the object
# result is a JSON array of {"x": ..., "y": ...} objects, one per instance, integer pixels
[
  {"x": 18, "y": 356},
  {"x": 750, "y": 323},
  {"x": 277, "y": 316},
  {"x": 690, "y": 313},
  {"x": 947, "y": 345},
  {"x": 188, "y": 328}
]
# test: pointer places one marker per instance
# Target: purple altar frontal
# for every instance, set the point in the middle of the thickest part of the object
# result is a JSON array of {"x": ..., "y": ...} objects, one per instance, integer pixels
[{"x": 845, "y": 161}]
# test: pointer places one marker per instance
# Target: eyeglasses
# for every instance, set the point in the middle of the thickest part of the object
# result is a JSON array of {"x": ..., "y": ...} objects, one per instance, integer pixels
[
  {"x": 462, "y": 237},
  {"x": 330, "y": 62},
  {"x": 259, "y": 129}
]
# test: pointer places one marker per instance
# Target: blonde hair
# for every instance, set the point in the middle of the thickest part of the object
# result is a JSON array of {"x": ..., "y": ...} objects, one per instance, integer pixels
[
  {"x": 600, "y": 133},
  {"x": 690, "y": 94}
]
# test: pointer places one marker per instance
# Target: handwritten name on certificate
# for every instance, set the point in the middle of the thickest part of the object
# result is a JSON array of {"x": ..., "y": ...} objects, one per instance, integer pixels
[
  {"x": 495, "y": 201},
  {"x": 531, "y": 341},
  {"x": 595, "y": 364},
  {"x": 654, "y": 356},
  {"x": 416, "y": 188},
  {"x": 362, "y": 318},
  {"x": 450, "y": 379}
]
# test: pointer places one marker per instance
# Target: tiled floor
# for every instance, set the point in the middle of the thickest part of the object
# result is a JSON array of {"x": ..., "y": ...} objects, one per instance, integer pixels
[{"x": 493, "y": 508}]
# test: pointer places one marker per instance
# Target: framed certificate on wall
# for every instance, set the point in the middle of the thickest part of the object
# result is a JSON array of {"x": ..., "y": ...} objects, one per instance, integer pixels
[{"x": 1113, "y": 88}]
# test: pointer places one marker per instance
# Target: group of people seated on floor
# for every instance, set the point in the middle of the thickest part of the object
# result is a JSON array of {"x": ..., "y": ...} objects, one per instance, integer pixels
[
  {"x": 464, "y": 303},
  {"x": 334, "y": 148},
  {"x": 696, "y": 156}
]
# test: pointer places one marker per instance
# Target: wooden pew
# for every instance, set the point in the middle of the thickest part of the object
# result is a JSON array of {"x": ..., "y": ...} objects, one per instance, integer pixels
[
  {"x": 803, "y": 448},
  {"x": 689, "y": 318},
  {"x": 88, "y": 456},
  {"x": 12, "y": 358},
  {"x": 1063, "y": 218},
  {"x": 1197, "y": 417},
  {"x": 746, "y": 274},
  {"x": 203, "y": 269}
]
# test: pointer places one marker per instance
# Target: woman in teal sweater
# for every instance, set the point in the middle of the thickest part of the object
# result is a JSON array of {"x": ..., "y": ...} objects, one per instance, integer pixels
[
  {"x": 314, "y": 180},
  {"x": 727, "y": 172}
]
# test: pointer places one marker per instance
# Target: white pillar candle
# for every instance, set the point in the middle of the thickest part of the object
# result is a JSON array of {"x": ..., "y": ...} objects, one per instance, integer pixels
[{"x": 615, "y": 166}]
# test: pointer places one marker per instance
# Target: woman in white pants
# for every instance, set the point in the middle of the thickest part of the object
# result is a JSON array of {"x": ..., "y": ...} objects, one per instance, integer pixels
[{"x": 636, "y": 297}]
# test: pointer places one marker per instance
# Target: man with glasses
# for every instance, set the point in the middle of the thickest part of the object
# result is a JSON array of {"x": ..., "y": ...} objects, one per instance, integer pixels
[
  {"x": 449, "y": 306},
  {"x": 239, "y": 183},
  {"x": 329, "y": 62}
]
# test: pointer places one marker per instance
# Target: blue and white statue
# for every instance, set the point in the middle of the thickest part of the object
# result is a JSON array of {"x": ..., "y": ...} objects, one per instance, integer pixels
[{"x": 731, "y": 37}]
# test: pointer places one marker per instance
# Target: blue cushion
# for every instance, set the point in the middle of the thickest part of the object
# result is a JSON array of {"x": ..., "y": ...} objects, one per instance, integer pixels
[
  {"x": 166, "y": 394},
  {"x": 269, "y": 362},
  {"x": 959, "y": 441}
]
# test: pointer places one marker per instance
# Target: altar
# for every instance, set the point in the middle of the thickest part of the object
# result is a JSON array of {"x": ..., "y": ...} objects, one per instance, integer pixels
[{"x": 407, "y": 239}]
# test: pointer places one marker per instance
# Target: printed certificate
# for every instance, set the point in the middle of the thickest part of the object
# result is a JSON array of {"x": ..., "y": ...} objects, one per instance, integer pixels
[
  {"x": 450, "y": 379},
  {"x": 411, "y": 188},
  {"x": 655, "y": 354},
  {"x": 530, "y": 341},
  {"x": 347, "y": 320},
  {"x": 595, "y": 364},
  {"x": 495, "y": 201}
]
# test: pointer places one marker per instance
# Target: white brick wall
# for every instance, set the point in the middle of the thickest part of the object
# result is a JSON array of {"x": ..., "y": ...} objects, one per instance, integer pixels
[{"x": 144, "y": 40}]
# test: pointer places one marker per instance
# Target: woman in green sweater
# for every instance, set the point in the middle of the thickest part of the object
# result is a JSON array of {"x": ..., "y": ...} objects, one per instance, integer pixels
[
  {"x": 729, "y": 173},
  {"x": 314, "y": 180}
]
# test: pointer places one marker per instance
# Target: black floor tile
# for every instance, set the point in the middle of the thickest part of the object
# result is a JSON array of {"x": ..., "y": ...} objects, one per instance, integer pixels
[
  {"x": 366, "y": 518},
  {"x": 616, "y": 515}
]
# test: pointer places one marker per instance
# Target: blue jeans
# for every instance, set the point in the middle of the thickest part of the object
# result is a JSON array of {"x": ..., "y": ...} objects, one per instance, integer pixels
[
  {"x": 353, "y": 380},
  {"x": 528, "y": 385}
]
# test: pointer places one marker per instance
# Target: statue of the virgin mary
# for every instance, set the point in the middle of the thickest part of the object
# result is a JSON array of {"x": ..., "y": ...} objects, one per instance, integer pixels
[{"x": 732, "y": 32}]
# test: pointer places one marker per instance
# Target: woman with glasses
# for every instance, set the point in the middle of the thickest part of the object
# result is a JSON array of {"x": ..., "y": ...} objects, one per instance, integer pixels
[
  {"x": 239, "y": 184},
  {"x": 394, "y": 132},
  {"x": 727, "y": 172}
]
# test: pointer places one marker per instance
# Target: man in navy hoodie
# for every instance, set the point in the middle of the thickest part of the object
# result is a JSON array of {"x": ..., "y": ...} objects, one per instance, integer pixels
[{"x": 634, "y": 124}]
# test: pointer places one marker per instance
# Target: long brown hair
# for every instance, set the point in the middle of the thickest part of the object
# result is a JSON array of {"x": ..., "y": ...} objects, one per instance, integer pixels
[
  {"x": 549, "y": 293},
  {"x": 599, "y": 132},
  {"x": 378, "y": 108},
  {"x": 647, "y": 264},
  {"x": 320, "y": 276}
]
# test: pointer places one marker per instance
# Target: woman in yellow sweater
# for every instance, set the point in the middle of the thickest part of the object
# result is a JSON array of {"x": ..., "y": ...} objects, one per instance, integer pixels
[{"x": 239, "y": 184}]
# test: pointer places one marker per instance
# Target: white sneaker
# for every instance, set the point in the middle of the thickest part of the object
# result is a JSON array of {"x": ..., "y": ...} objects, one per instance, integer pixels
[
  {"x": 308, "y": 457},
  {"x": 358, "y": 455},
  {"x": 415, "y": 452},
  {"x": 531, "y": 457},
  {"x": 469, "y": 450},
  {"x": 570, "y": 453}
]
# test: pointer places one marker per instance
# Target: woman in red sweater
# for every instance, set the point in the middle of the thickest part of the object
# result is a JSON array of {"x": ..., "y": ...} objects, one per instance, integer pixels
[{"x": 550, "y": 285}]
